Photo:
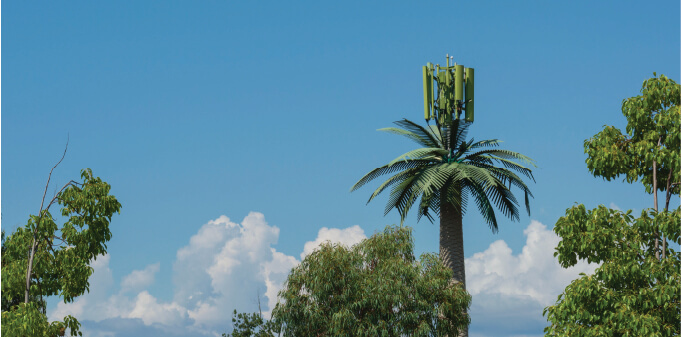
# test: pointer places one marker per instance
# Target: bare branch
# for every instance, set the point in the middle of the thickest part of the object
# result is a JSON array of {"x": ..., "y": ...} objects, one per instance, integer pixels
[
  {"x": 35, "y": 231},
  {"x": 70, "y": 183},
  {"x": 50, "y": 175}
]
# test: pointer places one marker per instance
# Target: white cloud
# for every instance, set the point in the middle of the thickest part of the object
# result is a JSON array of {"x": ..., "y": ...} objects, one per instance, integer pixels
[
  {"x": 150, "y": 311},
  {"x": 613, "y": 206},
  {"x": 140, "y": 279},
  {"x": 227, "y": 265},
  {"x": 275, "y": 272},
  {"x": 214, "y": 277},
  {"x": 192, "y": 282},
  {"x": 348, "y": 237},
  {"x": 534, "y": 272},
  {"x": 510, "y": 291}
]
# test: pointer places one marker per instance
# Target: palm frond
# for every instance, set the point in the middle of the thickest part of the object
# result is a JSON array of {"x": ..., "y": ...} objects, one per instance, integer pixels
[
  {"x": 429, "y": 153},
  {"x": 503, "y": 154},
  {"x": 420, "y": 131},
  {"x": 514, "y": 166},
  {"x": 504, "y": 200},
  {"x": 429, "y": 201},
  {"x": 397, "y": 178},
  {"x": 387, "y": 169},
  {"x": 458, "y": 133},
  {"x": 432, "y": 177},
  {"x": 435, "y": 131},
  {"x": 485, "y": 143},
  {"x": 419, "y": 139},
  {"x": 504, "y": 174},
  {"x": 453, "y": 194},
  {"x": 471, "y": 172},
  {"x": 515, "y": 180},
  {"x": 484, "y": 205}
]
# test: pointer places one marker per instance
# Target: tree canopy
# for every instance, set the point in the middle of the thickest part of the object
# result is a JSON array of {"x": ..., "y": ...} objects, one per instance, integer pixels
[
  {"x": 632, "y": 293},
  {"x": 375, "y": 288},
  {"x": 653, "y": 134},
  {"x": 42, "y": 259}
]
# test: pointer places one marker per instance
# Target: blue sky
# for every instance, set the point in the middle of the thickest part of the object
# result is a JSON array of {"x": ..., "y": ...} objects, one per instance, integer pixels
[{"x": 236, "y": 122}]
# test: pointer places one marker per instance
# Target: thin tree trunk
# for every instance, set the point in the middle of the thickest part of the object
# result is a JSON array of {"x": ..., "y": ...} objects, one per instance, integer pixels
[
  {"x": 657, "y": 233},
  {"x": 29, "y": 271},
  {"x": 451, "y": 244},
  {"x": 666, "y": 209}
]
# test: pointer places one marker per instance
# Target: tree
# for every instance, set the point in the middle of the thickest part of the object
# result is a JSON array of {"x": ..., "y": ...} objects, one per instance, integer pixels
[
  {"x": 443, "y": 174},
  {"x": 650, "y": 150},
  {"x": 8, "y": 303},
  {"x": 36, "y": 262},
  {"x": 375, "y": 288},
  {"x": 252, "y": 325},
  {"x": 633, "y": 292}
]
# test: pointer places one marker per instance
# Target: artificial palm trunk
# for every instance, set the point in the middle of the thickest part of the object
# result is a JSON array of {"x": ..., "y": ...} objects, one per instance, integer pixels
[{"x": 451, "y": 244}]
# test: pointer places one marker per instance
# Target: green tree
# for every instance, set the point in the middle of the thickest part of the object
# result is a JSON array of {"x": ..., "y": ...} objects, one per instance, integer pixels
[
  {"x": 8, "y": 303},
  {"x": 252, "y": 325},
  {"x": 650, "y": 150},
  {"x": 443, "y": 174},
  {"x": 37, "y": 262},
  {"x": 633, "y": 292},
  {"x": 375, "y": 288}
]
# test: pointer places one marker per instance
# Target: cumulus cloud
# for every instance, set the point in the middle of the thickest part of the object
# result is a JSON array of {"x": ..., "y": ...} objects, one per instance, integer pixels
[
  {"x": 347, "y": 237},
  {"x": 510, "y": 291},
  {"x": 150, "y": 311},
  {"x": 227, "y": 265},
  {"x": 140, "y": 279}
]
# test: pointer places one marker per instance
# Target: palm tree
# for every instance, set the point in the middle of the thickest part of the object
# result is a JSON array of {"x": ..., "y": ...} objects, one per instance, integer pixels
[{"x": 444, "y": 173}]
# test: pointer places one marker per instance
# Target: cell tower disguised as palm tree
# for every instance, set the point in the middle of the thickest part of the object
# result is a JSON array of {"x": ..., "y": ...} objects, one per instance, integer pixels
[{"x": 448, "y": 169}]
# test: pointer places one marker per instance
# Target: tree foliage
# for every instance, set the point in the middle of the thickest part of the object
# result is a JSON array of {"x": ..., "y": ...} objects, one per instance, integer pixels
[
  {"x": 55, "y": 260},
  {"x": 653, "y": 133},
  {"x": 252, "y": 325},
  {"x": 375, "y": 288},
  {"x": 632, "y": 293}
]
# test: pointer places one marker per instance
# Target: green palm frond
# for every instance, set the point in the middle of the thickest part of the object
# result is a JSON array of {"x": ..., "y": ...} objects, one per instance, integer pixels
[
  {"x": 485, "y": 143},
  {"x": 435, "y": 131},
  {"x": 511, "y": 165},
  {"x": 429, "y": 201},
  {"x": 505, "y": 154},
  {"x": 419, "y": 139},
  {"x": 447, "y": 170},
  {"x": 429, "y": 153},
  {"x": 397, "y": 178},
  {"x": 504, "y": 175},
  {"x": 432, "y": 177},
  {"x": 457, "y": 133},
  {"x": 515, "y": 180},
  {"x": 428, "y": 186},
  {"x": 432, "y": 137},
  {"x": 505, "y": 201},
  {"x": 484, "y": 205},
  {"x": 387, "y": 169}
]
